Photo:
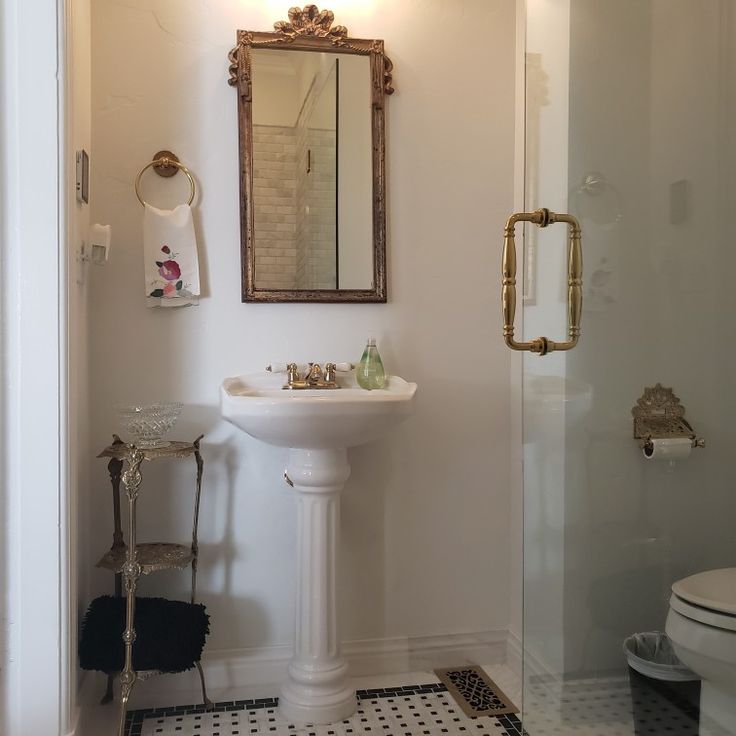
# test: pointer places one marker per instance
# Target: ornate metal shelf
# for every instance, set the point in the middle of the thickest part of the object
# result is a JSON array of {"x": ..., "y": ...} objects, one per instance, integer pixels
[
  {"x": 151, "y": 556},
  {"x": 129, "y": 563},
  {"x": 120, "y": 450}
]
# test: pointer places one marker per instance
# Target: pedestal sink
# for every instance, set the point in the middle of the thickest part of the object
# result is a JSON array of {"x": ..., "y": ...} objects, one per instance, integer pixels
[{"x": 317, "y": 426}]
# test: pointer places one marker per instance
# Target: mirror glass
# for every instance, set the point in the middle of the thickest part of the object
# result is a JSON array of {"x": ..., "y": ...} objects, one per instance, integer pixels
[{"x": 312, "y": 170}]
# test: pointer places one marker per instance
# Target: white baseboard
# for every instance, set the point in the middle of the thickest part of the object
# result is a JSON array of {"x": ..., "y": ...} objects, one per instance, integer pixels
[
  {"x": 515, "y": 653},
  {"x": 533, "y": 669},
  {"x": 258, "y": 670}
]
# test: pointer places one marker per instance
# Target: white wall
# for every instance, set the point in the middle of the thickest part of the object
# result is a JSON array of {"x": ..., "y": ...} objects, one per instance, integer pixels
[{"x": 426, "y": 511}]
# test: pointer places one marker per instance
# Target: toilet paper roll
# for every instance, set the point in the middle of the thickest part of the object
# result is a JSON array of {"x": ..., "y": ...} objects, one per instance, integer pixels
[{"x": 675, "y": 448}]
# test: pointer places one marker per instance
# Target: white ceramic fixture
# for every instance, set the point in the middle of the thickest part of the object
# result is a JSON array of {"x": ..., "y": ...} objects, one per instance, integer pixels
[
  {"x": 317, "y": 426},
  {"x": 702, "y": 627}
]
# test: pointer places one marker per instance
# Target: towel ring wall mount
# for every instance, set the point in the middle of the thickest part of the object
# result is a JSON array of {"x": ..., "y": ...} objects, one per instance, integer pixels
[{"x": 166, "y": 164}]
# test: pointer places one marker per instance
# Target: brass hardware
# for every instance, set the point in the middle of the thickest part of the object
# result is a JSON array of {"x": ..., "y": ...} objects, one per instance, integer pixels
[
  {"x": 292, "y": 374},
  {"x": 542, "y": 218},
  {"x": 315, "y": 373},
  {"x": 315, "y": 377},
  {"x": 283, "y": 367},
  {"x": 658, "y": 414},
  {"x": 309, "y": 29},
  {"x": 165, "y": 164}
]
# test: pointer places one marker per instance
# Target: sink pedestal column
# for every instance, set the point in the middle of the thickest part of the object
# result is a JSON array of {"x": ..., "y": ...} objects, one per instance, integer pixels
[{"x": 317, "y": 689}]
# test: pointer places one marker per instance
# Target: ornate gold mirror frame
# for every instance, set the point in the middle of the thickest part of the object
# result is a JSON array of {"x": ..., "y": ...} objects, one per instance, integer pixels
[{"x": 310, "y": 29}]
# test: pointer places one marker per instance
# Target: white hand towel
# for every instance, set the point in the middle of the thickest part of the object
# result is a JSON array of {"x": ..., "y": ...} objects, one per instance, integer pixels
[{"x": 170, "y": 252}]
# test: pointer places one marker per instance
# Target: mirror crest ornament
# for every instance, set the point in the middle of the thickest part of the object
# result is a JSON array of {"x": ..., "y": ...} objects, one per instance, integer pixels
[{"x": 311, "y": 30}]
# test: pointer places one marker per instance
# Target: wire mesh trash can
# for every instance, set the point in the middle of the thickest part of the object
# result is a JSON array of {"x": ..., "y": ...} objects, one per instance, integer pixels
[{"x": 655, "y": 670}]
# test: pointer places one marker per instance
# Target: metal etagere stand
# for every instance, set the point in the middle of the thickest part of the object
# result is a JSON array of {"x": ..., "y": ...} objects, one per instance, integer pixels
[{"x": 130, "y": 561}]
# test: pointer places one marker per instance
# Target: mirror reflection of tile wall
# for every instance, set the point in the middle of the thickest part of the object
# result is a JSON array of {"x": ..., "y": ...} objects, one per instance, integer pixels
[
  {"x": 295, "y": 193},
  {"x": 274, "y": 156}
]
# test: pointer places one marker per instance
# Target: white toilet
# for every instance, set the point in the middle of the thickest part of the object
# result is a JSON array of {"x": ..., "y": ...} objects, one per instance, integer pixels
[{"x": 701, "y": 625}]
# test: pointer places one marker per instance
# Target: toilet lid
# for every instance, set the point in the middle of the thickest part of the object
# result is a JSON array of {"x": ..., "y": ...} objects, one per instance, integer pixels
[
  {"x": 723, "y": 621},
  {"x": 714, "y": 589}
]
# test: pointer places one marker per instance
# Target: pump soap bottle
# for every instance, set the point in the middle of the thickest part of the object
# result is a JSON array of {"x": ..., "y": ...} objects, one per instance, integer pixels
[{"x": 370, "y": 373}]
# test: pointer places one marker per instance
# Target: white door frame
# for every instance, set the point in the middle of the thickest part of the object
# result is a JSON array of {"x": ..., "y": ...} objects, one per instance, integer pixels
[{"x": 36, "y": 694}]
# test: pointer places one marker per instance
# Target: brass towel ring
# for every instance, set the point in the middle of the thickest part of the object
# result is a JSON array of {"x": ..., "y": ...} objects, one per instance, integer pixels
[{"x": 165, "y": 164}]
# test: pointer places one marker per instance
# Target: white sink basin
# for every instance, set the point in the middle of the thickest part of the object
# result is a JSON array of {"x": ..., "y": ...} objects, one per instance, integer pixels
[{"x": 314, "y": 419}]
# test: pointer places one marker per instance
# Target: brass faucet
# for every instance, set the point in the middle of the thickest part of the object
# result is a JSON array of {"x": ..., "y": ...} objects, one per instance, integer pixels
[{"x": 315, "y": 377}]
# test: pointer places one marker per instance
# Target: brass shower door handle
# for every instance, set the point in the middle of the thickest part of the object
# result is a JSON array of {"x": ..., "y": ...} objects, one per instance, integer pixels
[{"x": 542, "y": 218}]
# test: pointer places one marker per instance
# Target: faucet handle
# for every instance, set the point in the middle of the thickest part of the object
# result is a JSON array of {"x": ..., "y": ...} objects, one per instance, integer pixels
[
  {"x": 315, "y": 373},
  {"x": 330, "y": 370},
  {"x": 292, "y": 373}
]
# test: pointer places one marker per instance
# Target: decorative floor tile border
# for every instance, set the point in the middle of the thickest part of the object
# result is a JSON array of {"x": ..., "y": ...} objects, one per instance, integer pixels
[{"x": 408, "y": 710}]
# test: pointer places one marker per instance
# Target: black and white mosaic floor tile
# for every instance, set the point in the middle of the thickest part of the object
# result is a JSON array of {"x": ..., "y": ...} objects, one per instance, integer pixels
[
  {"x": 614, "y": 707},
  {"x": 410, "y": 710}
]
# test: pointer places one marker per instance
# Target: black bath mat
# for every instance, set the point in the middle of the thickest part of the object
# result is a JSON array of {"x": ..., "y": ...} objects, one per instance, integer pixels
[
  {"x": 475, "y": 692},
  {"x": 170, "y": 635}
]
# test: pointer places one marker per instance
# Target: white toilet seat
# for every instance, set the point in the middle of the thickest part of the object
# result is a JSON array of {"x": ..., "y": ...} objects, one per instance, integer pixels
[
  {"x": 714, "y": 590},
  {"x": 703, "y": 615},
  {"x": 701, "y": 625}
]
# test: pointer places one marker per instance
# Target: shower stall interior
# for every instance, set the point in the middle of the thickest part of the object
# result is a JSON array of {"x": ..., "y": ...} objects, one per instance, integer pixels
[{"x": 630, "y": 127}]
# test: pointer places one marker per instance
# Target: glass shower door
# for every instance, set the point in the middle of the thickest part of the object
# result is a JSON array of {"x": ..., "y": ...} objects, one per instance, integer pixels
[{"x": 630, "y": 127}]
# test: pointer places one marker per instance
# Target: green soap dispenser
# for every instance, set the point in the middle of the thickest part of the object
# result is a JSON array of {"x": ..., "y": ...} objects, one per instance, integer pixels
[{"x": 370, "y": 373}]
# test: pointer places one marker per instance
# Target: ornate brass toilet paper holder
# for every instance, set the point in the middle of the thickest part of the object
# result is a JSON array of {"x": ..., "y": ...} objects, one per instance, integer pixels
[{"x": 659, "y": 415}]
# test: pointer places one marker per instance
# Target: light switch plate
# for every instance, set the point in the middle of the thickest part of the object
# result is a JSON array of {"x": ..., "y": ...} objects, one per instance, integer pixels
[{"x": 82, "y": 177}]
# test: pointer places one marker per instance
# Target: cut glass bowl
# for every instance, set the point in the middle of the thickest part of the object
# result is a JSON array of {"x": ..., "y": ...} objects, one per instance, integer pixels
[{"x": 148, "y": 423}]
